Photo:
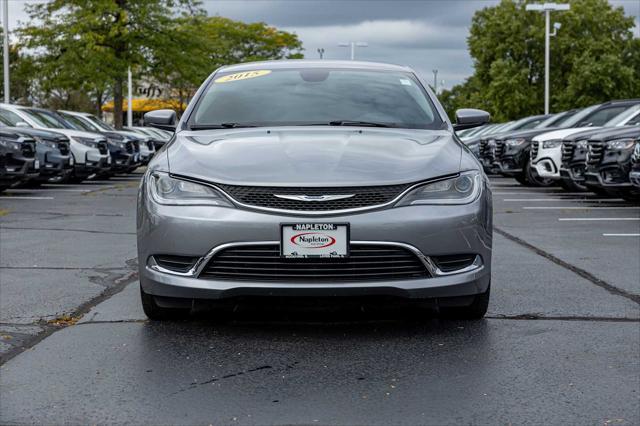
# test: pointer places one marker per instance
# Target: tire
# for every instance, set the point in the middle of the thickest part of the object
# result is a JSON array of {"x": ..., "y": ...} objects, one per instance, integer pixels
[
  {"x": 599, "y": 191},
  {"x": 534, "y": 179},
  {"x": 158, "y": 313},
  {"x": 631, "y": 195},
  {"x": 476, "y": 310},
  {"x": 572, "y": 186},
  {"x": 521, "y": 179}
]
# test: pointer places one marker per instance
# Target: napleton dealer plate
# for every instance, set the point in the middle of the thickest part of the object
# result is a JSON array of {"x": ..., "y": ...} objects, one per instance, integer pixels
[{"x": 308, "y": 240}]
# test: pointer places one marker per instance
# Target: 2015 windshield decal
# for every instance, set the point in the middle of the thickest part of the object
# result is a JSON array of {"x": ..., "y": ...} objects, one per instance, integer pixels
[{"x": 242, "y": 76}]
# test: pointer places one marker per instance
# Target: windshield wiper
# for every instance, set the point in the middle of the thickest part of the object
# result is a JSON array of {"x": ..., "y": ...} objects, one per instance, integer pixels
[
  {"x": 219, "y": 126},
  {"x": 358, "y": 123}
]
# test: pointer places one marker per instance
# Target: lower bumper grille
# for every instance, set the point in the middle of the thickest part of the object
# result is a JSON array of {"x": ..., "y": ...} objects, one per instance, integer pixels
[
  {"x": 453, "y": 262},
  {"x": 365, "y": 263},
  {"x": 175, "y": 263}
]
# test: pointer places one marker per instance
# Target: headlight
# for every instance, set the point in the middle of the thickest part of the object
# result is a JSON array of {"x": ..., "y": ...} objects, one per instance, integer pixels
[
  {"x": 86, "y": 141},
  {"x": 621, "y": 144},
  {"x": 50, "y": 144},
  {"x": 514, "y": 142},
  {"x": 462, "y": 189},
  {"x": 177, "y": 192},
  {"x": 551, "y": 144},
  {"x": 14, "y": 146},
  {"x": 583, "y": 144}
]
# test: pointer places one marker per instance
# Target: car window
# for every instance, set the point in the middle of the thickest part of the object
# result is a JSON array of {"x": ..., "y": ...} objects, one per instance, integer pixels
[
  {"x": 602, "y": 116},
  {"x": 49, "y": 119},
  {"x": 316, "y": 96},
  {"x": 624, "y": 117},
  {"x": 531, "y": 124},
  {"x": 98, "y": 123},
  {"x": 580, "y": 116},
  {"x": 10, "y": 117},
  {"x": 78, "y": 123}
]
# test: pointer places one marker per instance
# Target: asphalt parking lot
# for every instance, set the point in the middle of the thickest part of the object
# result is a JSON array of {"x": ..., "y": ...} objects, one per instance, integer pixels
[{"x": 561, "y": 343}]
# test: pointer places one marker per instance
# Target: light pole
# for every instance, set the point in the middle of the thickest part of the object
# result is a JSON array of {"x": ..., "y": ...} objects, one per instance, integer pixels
[
  {"x": 5, "y": 26},
  {"x": 435, "y": 81},
  {"x": 547, "y": 8},
  {"x": 321, "y": 52},
  {"x": 129, "y": 98},
  {"x": 353, "y": 45}
]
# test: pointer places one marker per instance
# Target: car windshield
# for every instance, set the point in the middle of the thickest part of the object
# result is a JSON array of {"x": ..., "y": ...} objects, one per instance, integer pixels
[
  {"x": 10, "y": 117},
  {"x": 580, "y": 116},
  {"x": 79, "y": 124},
  {"x": 315, "y": 97},
  {"x": 99, "y": 123},
  {"x": 628, "y": 116},
  {"x": 48, "y": 119},
  {"x": 554, "y": 120}
]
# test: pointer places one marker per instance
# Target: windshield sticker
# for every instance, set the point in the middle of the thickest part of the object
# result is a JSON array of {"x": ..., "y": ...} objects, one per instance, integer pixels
[
  {"x": 405, "y": 82},
  {"x": 242, "y": 76}
]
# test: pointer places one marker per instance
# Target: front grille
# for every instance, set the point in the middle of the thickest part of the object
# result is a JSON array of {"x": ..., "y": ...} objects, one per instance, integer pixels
[
  {"x": 175, "y": 263},
  {"x": 28, "y": 149},
  {"x": 103, "y": 148},
  {"x": 596, "y": 151},
  {"x": 567, "y": 152},
  {"x": 635, "y": 157},
  {"x": 365, "y": 263},
  {"x": 453, "y": 262},
  {"x": 136, "y": 146},
  {"x": 363, "y": 196},
  {"x": 534, "y": 149},
  {"x": 150, "y": 145},
  {"x": 499, "y": 149},
  {"x": 129, "y": 147},
  {"x": 484, "y": 148},
  {"x": 63, "y": 147}
]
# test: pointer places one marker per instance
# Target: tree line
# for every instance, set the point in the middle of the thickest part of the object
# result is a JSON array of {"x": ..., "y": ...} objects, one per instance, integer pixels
[
  {"x": 74, "y": 54},
  {"x": 594, "y": 58}
]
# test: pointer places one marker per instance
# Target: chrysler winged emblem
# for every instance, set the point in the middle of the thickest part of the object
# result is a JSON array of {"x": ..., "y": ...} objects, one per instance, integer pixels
[{"x": 312, "y": 198}]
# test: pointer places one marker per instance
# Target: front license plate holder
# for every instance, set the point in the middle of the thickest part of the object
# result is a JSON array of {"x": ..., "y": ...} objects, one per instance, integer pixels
[{"x": 314, "y": 240}]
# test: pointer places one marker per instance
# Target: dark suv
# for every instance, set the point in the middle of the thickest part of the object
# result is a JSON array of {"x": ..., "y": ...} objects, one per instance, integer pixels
[
  {"x": 609, "y": 162},
  {"x": 634, "y": 174},
  {"x": 19, "y": 157}
]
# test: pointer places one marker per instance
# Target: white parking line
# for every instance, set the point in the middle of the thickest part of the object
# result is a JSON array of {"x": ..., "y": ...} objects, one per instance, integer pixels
[
  {"x": 28, "y": 191},
  {"x": 576, "y": 200},
  {"x": 621, "y": 235},
  {"x": 604, "y": 219},
  {"x": 540, "y": 193},
  {"x": 25, "y": 198},
  {"x": 579, "y": 208}
]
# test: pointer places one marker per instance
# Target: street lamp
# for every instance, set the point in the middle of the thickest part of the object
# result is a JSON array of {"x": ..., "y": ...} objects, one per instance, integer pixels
[
  {"x": 353, "y": 45},
  {"x": 435, "y": 81},
  {"x": 547, "y": 8},
  {"x": 5, "y": 25}
]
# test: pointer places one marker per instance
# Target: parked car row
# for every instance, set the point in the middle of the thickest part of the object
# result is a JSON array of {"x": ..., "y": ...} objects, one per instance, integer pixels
[
  {"x": 589, "y": 149},
  {"x": 39, "y": 145}
]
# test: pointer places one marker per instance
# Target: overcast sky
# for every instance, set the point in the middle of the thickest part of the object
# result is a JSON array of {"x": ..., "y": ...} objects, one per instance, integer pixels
[{"x": 424, "y": 34}]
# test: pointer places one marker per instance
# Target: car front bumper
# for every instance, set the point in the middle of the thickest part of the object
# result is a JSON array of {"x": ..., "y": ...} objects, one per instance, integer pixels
[{"x": 429, "y": 230}]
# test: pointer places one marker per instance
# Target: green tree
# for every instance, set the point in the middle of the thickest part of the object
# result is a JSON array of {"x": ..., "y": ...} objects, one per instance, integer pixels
[
  {"x": 594, "y": 58},
  {"x": 23, "y": 74},
  {"x": 90, "y": 44},
  {"x": 201, "y": 44}
]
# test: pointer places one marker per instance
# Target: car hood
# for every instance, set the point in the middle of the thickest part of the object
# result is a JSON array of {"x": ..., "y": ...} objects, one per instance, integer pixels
[
  {"x": 78, "y": 133},
  {"x": 617, "y": 133},
  {"x": 45, "y": 134},
  {"x": 314, "y": 156},
  {"x": 559, "y": 134}
]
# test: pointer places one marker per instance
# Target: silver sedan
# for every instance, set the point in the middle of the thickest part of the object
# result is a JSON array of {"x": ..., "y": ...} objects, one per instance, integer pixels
[{"x": 313, "y": 179}]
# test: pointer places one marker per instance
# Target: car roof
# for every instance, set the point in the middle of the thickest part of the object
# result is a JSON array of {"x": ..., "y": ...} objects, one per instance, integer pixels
[{"x": 314, "y": 63}]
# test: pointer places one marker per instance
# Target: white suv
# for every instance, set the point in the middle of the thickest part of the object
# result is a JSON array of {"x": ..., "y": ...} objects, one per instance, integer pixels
[{"x": 546, "y": 148}]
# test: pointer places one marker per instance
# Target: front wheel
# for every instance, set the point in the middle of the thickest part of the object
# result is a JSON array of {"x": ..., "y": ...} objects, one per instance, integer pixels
[
  {"x": 476, "y": 310},
  {"x": 156, "y": 312},
  {"x": 534, "y": 178}
]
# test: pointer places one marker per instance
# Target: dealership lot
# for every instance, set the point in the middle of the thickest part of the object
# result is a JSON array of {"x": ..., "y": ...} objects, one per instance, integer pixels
[{"x": 560, "y": 343}]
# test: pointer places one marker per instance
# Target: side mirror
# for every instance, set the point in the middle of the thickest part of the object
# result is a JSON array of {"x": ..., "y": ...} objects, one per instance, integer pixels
[
  {"x": 164, "y": 119},
  {"x": 22, "y": 124},
  {"x": 468, "y": 118}
]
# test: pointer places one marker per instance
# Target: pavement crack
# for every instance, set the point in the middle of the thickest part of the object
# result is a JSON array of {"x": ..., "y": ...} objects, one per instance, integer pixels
[
  {"x": 576, "y": 270},
  {"x": 114, "y": 283},
  {"x": 539, "y": 317},
  {"x": 90, "y": 231},
  {"x": 195, "y": 384}
]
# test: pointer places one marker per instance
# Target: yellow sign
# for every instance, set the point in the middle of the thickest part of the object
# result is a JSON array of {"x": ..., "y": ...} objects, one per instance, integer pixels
[{"x": 242, "y": 76}]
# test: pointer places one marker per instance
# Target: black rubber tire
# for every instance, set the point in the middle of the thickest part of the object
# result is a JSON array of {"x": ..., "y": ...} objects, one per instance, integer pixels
[
  {"x": 475, "y": 311},
  {"x": 632, "y": 195},
  {"x": 571, "y": 186},
  {"x": 521, "y": 179},
  {"x": 158, "y": 313},
  {"x": 534, "y": 179}
]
